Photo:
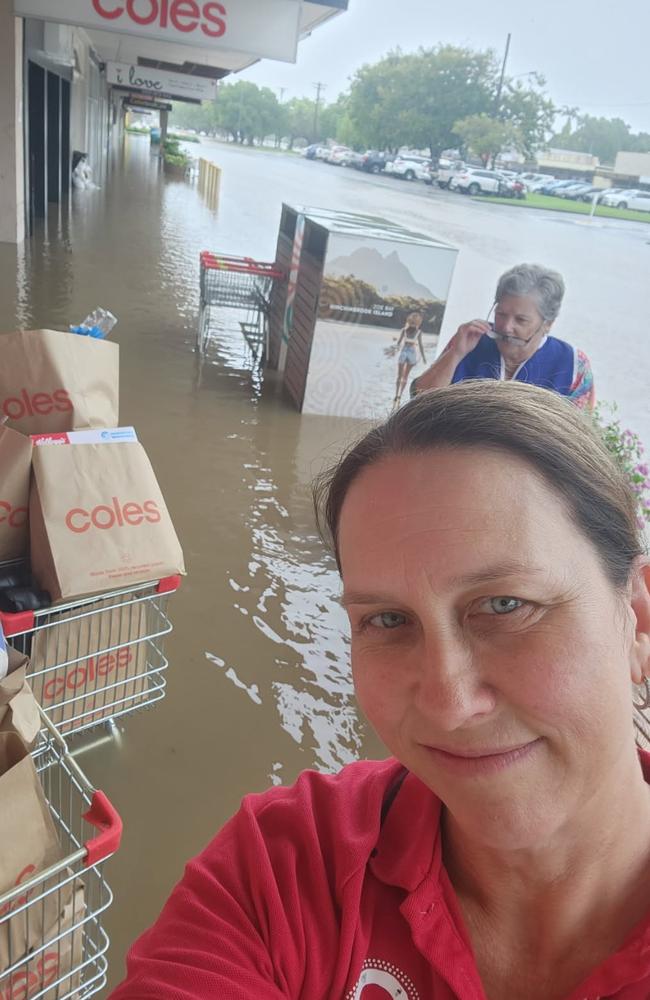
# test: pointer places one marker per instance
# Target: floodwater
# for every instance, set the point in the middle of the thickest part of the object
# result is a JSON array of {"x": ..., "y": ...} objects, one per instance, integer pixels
[{"x": 259, "y": 685}]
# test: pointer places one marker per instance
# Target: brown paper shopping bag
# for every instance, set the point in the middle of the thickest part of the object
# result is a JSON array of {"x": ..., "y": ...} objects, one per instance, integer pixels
[
  {"x": 18, "y": 707},
  {"x": 57, "y": 959},
  {"x": 51, "y": 381},
  {"x": 91, "y": 662},
  {"x": 29, "y": 845},
  {"x": 15, "y": 461},
  {"x": 98, "y": 520}
]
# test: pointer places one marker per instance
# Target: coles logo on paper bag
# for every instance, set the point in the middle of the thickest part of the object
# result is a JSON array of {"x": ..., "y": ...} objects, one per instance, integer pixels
[
  {"x": 117, "y": 515},
  {"x": 13, "y": 517},
  {"x": 95, "y": 668},
  {"x": 36, "y": 404}
]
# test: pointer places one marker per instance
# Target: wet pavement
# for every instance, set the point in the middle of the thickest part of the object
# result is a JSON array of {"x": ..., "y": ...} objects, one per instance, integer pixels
[{"x": 259, "y": 686}]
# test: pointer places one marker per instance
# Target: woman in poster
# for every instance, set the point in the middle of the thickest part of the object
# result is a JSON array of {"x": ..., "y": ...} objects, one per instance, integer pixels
[{"x": 410, "y": 336}]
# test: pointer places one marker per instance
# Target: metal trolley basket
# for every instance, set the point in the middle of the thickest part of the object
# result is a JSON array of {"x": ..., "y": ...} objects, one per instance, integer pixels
[
  {"x": 240, "y": 288},
  {"x": 67, "y": 959},
  {"x": 99, "y": 658}
]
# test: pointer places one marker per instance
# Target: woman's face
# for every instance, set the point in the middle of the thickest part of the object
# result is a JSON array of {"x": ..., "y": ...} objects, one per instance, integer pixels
[
  {"x": 489, "y": 650},
  {"x": 414, "y": 319},
  {"x": 519, "y": 316}
]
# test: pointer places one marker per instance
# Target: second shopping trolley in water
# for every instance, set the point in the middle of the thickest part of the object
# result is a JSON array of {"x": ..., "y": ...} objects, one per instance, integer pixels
[{"x": 234, "y": 298}]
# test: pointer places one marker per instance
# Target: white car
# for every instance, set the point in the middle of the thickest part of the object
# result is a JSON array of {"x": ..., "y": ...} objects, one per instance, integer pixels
[
  {"x": 638, "y": 200},
  {"x": 474, "y": 180},
  {"x": 447, "y": 170},
  {"x": 338, "y": 154},
  {"x": 410, "y": 168}
]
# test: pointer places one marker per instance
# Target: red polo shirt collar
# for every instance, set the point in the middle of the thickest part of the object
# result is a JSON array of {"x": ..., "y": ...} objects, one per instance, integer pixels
[{"x": 409, "y": 855}]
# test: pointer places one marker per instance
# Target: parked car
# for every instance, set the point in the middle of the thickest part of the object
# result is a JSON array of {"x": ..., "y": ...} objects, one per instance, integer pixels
[
  {"x": 573, "y": 191},
  {"x": 474, "y": 180},
  {"x": 309, "y": 152},
  {"x": 554, "y": 186},
  {"x": 607, "y": 193},
  {"x": 529, "y": 178},
  {"x": 322, "y": 153},
  {"x": 409, "y": 167},
  {"x": 637, "y": 200},
  {"x": 448, "y": 169},
  {"x": 351, "y": 159},
  {"x": 372, "y": 162},
  {"x": 337, "y": 155},
  {"x": 542, "y": 182}
]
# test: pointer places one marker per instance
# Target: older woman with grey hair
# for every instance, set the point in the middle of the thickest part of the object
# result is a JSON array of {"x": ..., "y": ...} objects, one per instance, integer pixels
[{"x": 517, "y": 345}]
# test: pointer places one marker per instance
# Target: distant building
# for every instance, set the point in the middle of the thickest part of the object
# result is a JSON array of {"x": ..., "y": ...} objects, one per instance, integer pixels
[
  {"x": 567, "y": 163},
  {"x": 632, "y": 170}
]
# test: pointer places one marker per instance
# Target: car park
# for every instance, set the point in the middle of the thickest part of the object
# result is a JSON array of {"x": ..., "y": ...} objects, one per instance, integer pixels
[{"x": 409, "y": 167}]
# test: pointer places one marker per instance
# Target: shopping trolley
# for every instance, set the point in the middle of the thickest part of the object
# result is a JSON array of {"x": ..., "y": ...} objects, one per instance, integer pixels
[
  {"x": 67, "y": 958},
  {"x": 240, "y": 289},
  {"x": 99, "y": 658}
]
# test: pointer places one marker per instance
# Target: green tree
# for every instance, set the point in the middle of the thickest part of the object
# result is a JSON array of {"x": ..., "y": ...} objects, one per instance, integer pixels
[
  {"x": 301, "y": 114},
  {"x": 528, "y": 110},
  {"x": 487, "y": 137},
  {"x": 416, "y": 99},
  {"x": 602, "y": 137},
  {"x": 248, "y": 112}
]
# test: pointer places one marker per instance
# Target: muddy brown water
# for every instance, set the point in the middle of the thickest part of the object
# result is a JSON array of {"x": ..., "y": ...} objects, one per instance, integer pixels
[{"x": 259, "y": 685}]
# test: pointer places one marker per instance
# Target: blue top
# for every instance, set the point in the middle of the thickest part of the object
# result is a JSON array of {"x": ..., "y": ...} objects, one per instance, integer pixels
[{"x": 552, "y": 366}]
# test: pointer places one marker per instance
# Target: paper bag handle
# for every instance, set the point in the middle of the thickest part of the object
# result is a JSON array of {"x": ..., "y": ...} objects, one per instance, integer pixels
[{"x": 102, "y": 815}]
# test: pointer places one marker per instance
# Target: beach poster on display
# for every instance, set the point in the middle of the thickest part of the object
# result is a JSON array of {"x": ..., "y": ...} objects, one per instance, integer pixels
[{"x": 381, "y": 305}]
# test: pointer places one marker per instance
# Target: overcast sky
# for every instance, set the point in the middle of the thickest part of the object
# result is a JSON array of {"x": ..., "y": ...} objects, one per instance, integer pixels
[{"x": 597, "y": 61}]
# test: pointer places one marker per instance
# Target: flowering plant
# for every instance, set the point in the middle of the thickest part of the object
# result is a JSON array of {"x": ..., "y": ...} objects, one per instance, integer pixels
[{"x": 628, "y": 450}]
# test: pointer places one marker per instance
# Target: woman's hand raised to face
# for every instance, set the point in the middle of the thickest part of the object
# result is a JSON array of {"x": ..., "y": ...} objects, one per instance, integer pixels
[
  {"x": 467, "y": 337},
  {"x": 464, "y": 340}
]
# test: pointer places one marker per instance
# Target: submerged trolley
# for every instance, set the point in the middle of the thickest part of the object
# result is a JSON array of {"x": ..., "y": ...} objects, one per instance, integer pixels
[
  {"x": 240, "y": 289},
  {"x": 57, "y": 913},
  {"x": 96, "y": 659}
]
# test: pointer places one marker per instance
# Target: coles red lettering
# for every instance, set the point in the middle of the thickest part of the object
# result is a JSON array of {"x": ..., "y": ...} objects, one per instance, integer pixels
[
  {"x": 103, "y": 11},
  {"x": 24, "y": 984},
  {"x": 214, "y": 14},
  {"x": 182, "y": 15},
  {"x": 25, "y": 874},
  {"x": 185, "y": 9},
  {"x": 40, "y": 404},
  {"x": 86, "y": 673},
  {"x": 117, "y": 514},
  {"x": 14, "y": 517}
]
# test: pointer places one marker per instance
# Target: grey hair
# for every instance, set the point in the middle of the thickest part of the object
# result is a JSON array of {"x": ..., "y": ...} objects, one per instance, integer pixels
[{"x": 531, "y": 279}]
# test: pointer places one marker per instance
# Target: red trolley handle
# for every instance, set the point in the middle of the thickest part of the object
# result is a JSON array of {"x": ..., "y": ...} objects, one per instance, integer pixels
[
  {"x": 105, "y": 818},
  {"x": 16, "y": 622}
]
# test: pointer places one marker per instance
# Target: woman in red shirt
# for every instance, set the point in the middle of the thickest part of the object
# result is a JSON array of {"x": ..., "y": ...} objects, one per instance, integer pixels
[{"x": 499, "y": 604}]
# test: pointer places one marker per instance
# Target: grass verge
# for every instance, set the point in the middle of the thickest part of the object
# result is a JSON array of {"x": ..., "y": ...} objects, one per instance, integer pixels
[{"x": 550, "y": 204}]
